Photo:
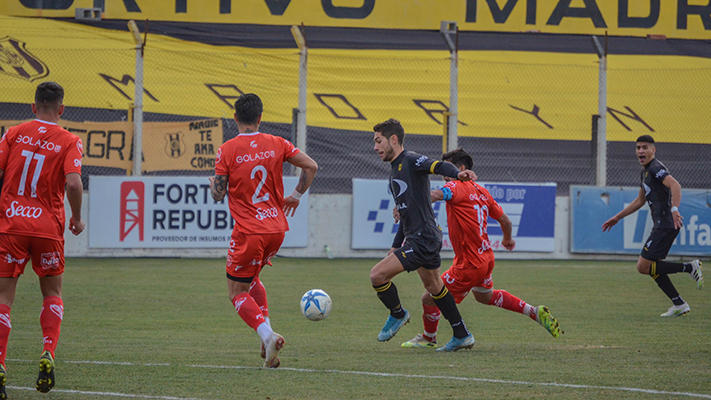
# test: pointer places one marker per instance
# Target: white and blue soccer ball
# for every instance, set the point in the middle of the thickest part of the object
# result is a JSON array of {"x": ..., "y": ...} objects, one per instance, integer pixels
[{"x": 315, "y": 304}]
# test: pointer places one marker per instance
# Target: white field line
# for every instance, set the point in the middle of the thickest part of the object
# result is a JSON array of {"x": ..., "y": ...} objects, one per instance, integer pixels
[
  {"x": 133, "y": 396},
  {"x": 367, "y": 373}
]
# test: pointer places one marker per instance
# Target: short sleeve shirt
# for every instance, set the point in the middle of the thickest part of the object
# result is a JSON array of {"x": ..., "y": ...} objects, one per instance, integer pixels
[
  {"x": 36, "y": 157},
  {"x": 658, "y": 196},
  {"x": 469, "y": 205},
  {"x": 253, "y": 164}
]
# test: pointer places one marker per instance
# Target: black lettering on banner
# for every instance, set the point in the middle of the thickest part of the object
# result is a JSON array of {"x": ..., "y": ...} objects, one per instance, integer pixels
[
  {"x": 321, "y": 97},
  {"x": 188, "y": 216},
  {"x": 500, "y": 15},
  {"x": 276, "y": 7},
  {"x": 90, "y": 145},
  {"x": 190, "y": 193},
  {"x": 234, "y": 95},
  {"x": 125, "y": 80},
  {"x": 625, "y": 21},
  {"x": 158, "y": 219},
  {"x": 431, "y": 112},
  {"x": 563, "y": 9},
  {"x": 684, "y": 10},
  {"x": 119, "y": 149},
  {"x": 347, "y": 12},
  {"x": 47, "y": 4},
  {"x": 131, "y": 6},
  {"x": 173, "y": 219},
  {"x": 632, "y": 115},
  {"x": 181, "y": 6},
  {"x": 535, "y": 113}
]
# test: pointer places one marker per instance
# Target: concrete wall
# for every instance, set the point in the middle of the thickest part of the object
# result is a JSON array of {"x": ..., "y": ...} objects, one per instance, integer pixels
[{"x": 329, "y": 225}]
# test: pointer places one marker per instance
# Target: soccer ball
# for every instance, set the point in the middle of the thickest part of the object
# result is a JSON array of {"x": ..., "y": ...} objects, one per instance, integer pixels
[{"x": 315, "y": 305}]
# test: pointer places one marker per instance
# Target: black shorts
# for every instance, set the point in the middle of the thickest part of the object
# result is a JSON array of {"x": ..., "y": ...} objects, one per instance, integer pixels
[
  {"x": 658, "y": 244},
  {"x": 419, "y": 252}
]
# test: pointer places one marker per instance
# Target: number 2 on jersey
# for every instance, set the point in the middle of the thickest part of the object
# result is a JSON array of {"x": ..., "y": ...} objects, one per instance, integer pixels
[
  {"x": 255, "y": 197},
  {"x": 35, "y": 177}
]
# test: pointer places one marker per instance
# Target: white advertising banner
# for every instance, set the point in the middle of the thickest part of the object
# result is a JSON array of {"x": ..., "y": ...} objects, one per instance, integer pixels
[
  {"x": 170, "y": 212},
  {"x": 530, "y": 206}
]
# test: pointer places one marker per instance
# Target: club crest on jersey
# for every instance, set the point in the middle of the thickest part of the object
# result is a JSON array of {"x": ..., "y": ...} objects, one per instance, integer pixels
[
  {"x": 17, "y": 62},
  {"x": 174, "y": 144}
]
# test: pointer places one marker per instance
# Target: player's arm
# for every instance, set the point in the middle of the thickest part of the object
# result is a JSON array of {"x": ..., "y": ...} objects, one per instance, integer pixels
[
  {"x": 436, "y": 195},
  {"x": 507, "y": 228},
  {"x": 675, "y": 189},
  {"x": 75, "y": 189},
  {"x": 635, "y": 205},
  {"x": 398, "y": 240},
  {"x": 218, "y": 187},
  {"x": 448, "y": 169},
  {"x": 308, "y": 172}
]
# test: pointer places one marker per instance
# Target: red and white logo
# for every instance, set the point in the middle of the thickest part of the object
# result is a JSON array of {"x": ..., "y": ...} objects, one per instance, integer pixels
[
  {"x": 132, "y": 204},
  {"x": 18, "y": 210},
  {"x": 50, "y": 260},
  {"x": 41, "y": 129}
]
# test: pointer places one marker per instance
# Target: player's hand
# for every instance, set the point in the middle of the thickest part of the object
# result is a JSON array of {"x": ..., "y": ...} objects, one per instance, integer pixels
[
  {"x": 396, "y": 215},
  {"x": 392, "y": 250},
  {"x": 212, "y": 182},
  {"x": 678, "y": 220},
  {"x": 466, "y": 175},
  {"x": 508, "y": 244},
  {"x": 610, "y": 223},
  {"x": 76, "y": 227},
  {"x": 290, "y": 205}
]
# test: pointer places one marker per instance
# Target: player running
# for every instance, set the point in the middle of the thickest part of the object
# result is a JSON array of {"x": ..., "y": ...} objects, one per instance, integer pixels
[
  {"x": 250, "y": 167},
  {"x": 410, "y": 186},
  {"x": 663, "y": 193},
  {"x": 37, "y": 159},
  {"x": 468, "y": 207}
]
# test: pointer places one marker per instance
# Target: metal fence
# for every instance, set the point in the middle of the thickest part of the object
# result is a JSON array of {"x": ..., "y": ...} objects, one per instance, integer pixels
[{"x": 508, "y": 118}]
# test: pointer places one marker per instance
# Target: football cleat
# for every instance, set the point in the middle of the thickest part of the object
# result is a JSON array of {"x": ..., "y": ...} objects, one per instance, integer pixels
[
  {"x": 457, "y": 344},
  {"x": 276, "y": 343},
  {"x": 696, "y": 274},
  {"x": 3, "y": 382},
  {"x": 677, "y": 311},
  {"x": 419, "y": 341},
  {"x": 548, "y": 321},
  {"x": 392, "y": 325},
  {"x": 45, "y": 379}
]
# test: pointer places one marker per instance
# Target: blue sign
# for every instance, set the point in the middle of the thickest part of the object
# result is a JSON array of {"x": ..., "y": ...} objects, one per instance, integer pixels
[
  {"x": 590, "y": 207},
  {"x": 531, "y": 208}
]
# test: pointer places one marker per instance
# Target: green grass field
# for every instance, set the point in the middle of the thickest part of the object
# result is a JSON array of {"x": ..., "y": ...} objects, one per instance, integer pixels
[{"x": 165, "y": 329}]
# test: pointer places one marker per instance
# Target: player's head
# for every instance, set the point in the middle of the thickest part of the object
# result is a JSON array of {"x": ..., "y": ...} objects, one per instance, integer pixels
[
  {"x": 48, "y": 98},
  {"x": 389, "y": 137},
  {"x": 248, "y": 109},
  {"x": 645, "y": 149},
  {"x": 459, "y": 158}
]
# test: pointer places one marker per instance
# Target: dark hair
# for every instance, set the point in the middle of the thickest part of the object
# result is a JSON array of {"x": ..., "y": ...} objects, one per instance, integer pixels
[
  {"x": 248, "y": 108},
  {"x": 389, "y": 128},
  {"x": 459, "y": 157},
  {"x": 49, "y": 96},
  {"x": 645, "y": 139}
]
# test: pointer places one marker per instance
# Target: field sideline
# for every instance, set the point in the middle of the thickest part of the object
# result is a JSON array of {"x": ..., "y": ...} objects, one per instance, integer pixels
[{"x": 164, "y": 329}]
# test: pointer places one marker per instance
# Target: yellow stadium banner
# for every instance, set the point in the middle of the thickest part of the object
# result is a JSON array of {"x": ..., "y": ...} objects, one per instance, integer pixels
[
  {"x": 685, "y": 19},
  {"x": 168, "y": 146},
  {"x": 181, "y": 145},
  {"x": 502, "y": 94}
]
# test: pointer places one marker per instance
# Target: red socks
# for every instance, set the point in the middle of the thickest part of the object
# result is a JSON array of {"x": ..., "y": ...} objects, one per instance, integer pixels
[
  {"x": 51, "y": 320},
  {"x": 430, "y": 317},
  {"x": 248, "y": 310},
  {"x": 506, "y": 300},
  {"x": 259, "y": 294},
  {"x": 5, "y": 327}
]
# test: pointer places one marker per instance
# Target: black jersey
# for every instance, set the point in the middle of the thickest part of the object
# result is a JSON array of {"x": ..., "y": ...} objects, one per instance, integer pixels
[
  {"x": 410, "y": 186},
  {"x": 658, "y": 196}
]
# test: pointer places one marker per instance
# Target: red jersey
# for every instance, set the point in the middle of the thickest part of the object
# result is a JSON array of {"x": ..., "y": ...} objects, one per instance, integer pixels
[
  {"x": 36, "y": 157},
  {"x": 253, "y": 165},
  {"x": 468, "y": 207}
]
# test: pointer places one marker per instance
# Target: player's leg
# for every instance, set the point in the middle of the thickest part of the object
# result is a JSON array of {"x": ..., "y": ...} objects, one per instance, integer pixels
[
  {"x": 430, "y": 318},
  {"x": 259, "y": 294},
  {"x": 693, "y": 268},
  {"x": 48, "y": 264},
  {"x": 656, "y": 248},
  {"x": 381, "y": 276},
  {"x": 241, "y": 271}
]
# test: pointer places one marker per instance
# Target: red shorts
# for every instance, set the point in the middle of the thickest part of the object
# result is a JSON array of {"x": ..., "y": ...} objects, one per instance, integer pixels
[
  {"x": 461, "y": 279},
  {"x": 15, "y": 251},
  {"x": 248, "y": 253}
]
